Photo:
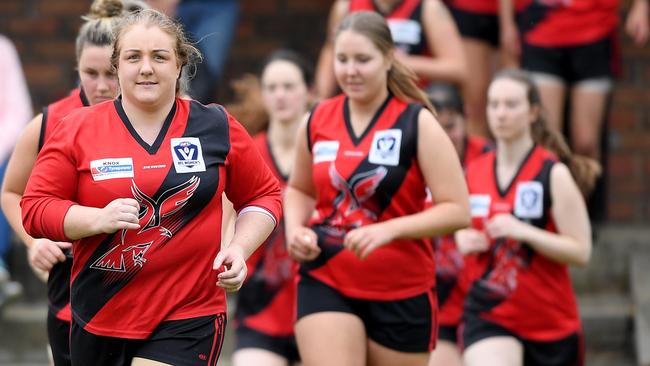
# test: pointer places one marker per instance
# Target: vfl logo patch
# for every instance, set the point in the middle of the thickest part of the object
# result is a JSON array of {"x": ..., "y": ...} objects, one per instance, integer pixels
[
  {"x": 187, "y": 155},
  {"x": 529, "y": 200},
  {"x": 385, "y": 147},
  {"x": 111, "y": 168},
  {"x": 325, "y": 151},
  {"x": 479, "y": 205},
  {"x": 130, "y": 252}
]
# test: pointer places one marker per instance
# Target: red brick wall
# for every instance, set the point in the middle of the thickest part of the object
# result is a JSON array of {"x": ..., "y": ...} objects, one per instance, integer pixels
[{"x": 44, "y": 32}]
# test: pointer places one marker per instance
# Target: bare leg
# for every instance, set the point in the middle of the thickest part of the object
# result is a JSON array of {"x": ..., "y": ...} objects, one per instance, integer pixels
[
  {"x": 588, "y": 103},
  {"x": 479, "y": 56},
  {"x": 331, "y": 338},
  {"x": 137, "y": 361},
  {"x": 379, "y": 355},
  {"x": 553, "y": 94},
  {"x": 257, "y": 356},
  {"x": 446, "y": 354},
  {"x": 495, "y": 351}
]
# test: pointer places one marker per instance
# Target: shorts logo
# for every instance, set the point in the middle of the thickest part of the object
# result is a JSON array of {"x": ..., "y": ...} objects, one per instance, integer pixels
[
  {"x": 324, "y": 151},
  {"x": 187, "y": 155},
  {"x": 479, "y": 205},
  {"x": 111, "y": 168},
  {"x": 385, "y": 147},
  {"x": 529, "y": 200}
]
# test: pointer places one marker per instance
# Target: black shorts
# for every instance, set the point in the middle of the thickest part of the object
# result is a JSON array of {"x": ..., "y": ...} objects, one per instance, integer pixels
[
  {"x": 408, "y": 325},
  {"x": 187, "y": 342},
  {"x": 597, "y": 60},
  {"x": 58, "y": 334},
  {"x": 283, "y": 346},
  {"x": 448, "y": 333},
  {"x": 567, "y": 351},
  {"x": 482, "y": 27}
]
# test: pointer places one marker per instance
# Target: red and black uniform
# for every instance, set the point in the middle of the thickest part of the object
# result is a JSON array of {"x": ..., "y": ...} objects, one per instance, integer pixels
[
  {"x": 362, "y": 180},
  {"x": 514, "y": 290},
  {"x": 265, "y": 312},
  {"x": 58, "y": 281},
  {"x": 131, "y": 284},
  {"x": 449, "y": 261},
  {"x": 405, "y": 23},
  {"x": 479, "y": 19},
  {"x": 575, "y": 40}
]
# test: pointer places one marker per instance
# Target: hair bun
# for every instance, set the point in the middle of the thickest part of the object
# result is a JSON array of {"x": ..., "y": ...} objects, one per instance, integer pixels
[{"x": 105, "y": 9}]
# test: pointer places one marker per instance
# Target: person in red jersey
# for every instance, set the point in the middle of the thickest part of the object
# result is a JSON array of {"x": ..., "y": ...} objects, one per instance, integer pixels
[
  {"x": 98, "y": 84},
  {"x": 572, "y": 50},
  {"x": 266, "y": 303},
  {"x": 449, "y": 261},
  {"x": 529, "y": 221},
  {"x": 425, "y": 35},
  {"x": 354, "y": 209},
  {"x": 136, "y": 185}
]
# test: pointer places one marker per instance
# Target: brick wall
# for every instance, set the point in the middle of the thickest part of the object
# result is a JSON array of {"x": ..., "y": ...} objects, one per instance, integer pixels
[{"x": 44, "y": 32}]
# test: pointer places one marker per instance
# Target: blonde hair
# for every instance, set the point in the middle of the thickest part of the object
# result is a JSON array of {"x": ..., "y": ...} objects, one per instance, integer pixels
[
  {"x": 186, "y": 53},
  {"x": 402, "y": 81},
  {"x": 584, "y": 170},
  {"x": 99, "y": 23}
]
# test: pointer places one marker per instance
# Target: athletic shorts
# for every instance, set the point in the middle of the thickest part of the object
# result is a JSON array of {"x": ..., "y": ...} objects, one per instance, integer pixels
[
  {"x": 482, "y": 27},
  {"x": 187, "y": 342},
  {"x": 284, "y": 346},
  {"x": 567, "y": 351},
  {"x": 448, "y": 333},
  {"x": 408, "y": 325},
  {"x": 58, "y": 334},
  {"x": 597, "y": 60}
]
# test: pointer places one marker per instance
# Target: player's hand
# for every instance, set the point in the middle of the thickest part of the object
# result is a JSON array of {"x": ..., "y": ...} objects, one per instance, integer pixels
[
  {"x": 44, "y": 253},
  {"x": 471, "y": 241},
  {"x": 232, "y": 258},
  {"x": 505, "y": 226},
  {"x": 364, "y": 240},
  {"x": 636, "y": 24},
  {"x": 121, "y": 213},
  {"x": 302, "y": 244}
]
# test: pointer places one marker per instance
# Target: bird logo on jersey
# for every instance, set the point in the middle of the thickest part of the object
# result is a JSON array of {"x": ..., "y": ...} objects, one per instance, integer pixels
[
  {"x": 161, "y": 214},
  {"x": 352, "y": 202},
  {"x": 510, "y": 258}
]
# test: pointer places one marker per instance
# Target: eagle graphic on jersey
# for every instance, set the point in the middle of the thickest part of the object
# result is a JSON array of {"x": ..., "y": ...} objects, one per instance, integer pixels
[
  {"x": 353, "y": 206},
  {"x": 510, "y": 258},
  {"x": 159, "y": 219}
]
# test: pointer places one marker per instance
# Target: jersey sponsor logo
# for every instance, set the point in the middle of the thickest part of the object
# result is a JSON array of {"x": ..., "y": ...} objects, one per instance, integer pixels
[
  {"x": 130, "y": 252},
  {"x": 529, "y": 200},
  {"x": 479, "y": 205},
  {"x": 325, "y": 151},
  {"x": 111, "y": 168},
  {"x": 406, "y": 31},
  {"x": 385, "y": 147},
  {"x": 350, "y": 203},
  {"x": 187, "y": 155}
]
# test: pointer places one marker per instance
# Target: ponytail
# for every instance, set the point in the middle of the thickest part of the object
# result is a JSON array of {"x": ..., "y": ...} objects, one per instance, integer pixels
[{"x": 402, "y": 82}]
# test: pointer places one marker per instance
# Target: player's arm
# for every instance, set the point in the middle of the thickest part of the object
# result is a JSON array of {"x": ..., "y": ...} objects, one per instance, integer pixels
[
  {"x": 325, "y": 81},
  {"x": 509, "y": 41},
  {"x": 637, "y": 24},
  {"x": 447, "y": 62}
]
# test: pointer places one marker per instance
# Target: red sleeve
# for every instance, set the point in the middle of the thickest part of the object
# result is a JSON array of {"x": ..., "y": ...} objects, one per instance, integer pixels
[
  {"x": 250, "y": 183},
  {"x": 52, "y": 186}
]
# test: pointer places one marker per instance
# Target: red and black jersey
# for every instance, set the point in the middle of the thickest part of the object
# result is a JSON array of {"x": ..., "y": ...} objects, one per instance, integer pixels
[
  {"x": 362, "y": 180},
  {"x": 449, "y": 261},
  {"x": 124, "y": 284},
  {"x": 488, "y": 7},
  {"x": 267, "y": 300},
  {"x": 561, "y": 23},
  {"x": 58, "y": 281},
  {"x": 514, "y": 286},
  {"x": 405, "y": 23}
]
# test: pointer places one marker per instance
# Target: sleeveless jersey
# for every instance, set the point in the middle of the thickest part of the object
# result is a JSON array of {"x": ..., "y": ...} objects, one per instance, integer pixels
[
  {"x": 267, "y": 300},
  {"x": 561, "y": 23},
  {"x": 364, "y": 180},
  {"x": 514, "y": 286},
  {"x": 405, "y": 23},
  {"x": 58, "y": 281},
  {"x": 449, "y": 261},
  {"x": 124, "y": 284}
]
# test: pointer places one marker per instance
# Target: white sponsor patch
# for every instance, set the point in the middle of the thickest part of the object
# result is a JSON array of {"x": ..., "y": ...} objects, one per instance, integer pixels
[
  {"x": 405, "y": 31},
  {"x": 479, "y": 205},
  {"x": 385, "y": 147},
  {"x": 324, "y": 151},
  {"x": 111, "y": 168},
  {"x": 187, "y": 155},
  {"x": 529, "y": 200}
]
